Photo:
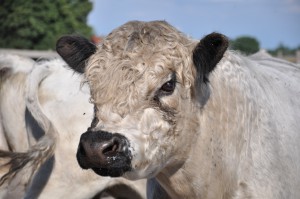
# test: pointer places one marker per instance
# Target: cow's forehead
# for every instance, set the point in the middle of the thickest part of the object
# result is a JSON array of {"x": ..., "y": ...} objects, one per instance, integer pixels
[{"x": 136, "y": 34}]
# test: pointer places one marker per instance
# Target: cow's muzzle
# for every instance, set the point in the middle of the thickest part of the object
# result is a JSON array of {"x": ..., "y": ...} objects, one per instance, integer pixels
[{"x": 105, "y": 153}]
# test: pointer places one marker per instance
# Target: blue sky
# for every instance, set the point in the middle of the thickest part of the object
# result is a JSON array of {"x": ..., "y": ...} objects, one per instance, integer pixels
[{"x": 271, "y": 22}]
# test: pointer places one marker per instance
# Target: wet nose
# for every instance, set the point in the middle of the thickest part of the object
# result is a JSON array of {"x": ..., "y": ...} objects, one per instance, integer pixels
[
  {"x": 103, "y": 151},
  {"x": 96, "y": 148}
]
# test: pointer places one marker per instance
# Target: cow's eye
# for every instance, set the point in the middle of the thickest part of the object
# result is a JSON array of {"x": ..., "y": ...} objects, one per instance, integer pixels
[{"x": 167, "y": 88}]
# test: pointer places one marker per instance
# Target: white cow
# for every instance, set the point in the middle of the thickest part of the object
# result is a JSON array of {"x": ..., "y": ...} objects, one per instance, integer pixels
[
  {"x": 14, "y": 71},
  {"x": 48, "y": 97},
  {"x": 194, "y": 118}
]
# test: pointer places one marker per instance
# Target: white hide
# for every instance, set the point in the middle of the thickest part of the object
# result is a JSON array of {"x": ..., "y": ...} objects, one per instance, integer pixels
[{"x": 64, "y": 100}]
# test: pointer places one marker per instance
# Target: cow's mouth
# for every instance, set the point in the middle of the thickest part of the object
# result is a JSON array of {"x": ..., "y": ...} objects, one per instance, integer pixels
[
  {"x": 112, "y": 172},
  {"x": 105, "y": 153}
]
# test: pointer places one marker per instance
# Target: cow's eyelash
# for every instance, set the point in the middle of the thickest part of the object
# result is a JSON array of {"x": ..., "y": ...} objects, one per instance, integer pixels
[{"x": 167, "y": 88}]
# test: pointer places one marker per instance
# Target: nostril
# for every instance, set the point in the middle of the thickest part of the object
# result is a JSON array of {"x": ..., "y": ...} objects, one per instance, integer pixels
[{"x": 112, "y": 147}]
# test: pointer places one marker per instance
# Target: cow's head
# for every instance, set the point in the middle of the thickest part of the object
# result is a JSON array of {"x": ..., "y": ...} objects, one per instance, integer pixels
[{"x": 148, "y": 83}]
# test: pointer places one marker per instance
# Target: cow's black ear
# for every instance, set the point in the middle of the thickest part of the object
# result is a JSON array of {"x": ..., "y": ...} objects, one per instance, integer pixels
[
  {"x": 208, "y": 52},
  {"x": 75, "y": 50}
]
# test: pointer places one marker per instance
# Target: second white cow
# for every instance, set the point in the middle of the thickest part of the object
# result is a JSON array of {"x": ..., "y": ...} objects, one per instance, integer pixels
[{"x": 44, "y": 107}]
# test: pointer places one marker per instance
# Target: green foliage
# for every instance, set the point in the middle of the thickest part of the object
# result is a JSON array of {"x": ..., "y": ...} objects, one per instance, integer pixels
[
  {"x": 245, "y": 44},
  {"x": 283, "y": 50},
  {"x": 30, "y": 24}
]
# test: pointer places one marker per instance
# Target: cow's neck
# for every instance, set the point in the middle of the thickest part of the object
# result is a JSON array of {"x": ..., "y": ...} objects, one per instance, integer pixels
[
  {"x": 203, "y": 178},
  {"x": 176, "y": 185},
  {"x": 212, "y": 168}
]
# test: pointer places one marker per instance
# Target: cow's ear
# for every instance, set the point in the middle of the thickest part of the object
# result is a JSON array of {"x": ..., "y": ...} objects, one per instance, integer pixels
[
  {"x": 75, "y": 50},
  {"x": 208, "y": 52}
]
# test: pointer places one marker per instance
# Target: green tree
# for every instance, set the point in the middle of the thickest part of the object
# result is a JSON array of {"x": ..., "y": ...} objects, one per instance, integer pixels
[
  {"x": 245, "y": 44},
  {"x": 30, "y": 24},
  {"x": 283, "y": 50}
]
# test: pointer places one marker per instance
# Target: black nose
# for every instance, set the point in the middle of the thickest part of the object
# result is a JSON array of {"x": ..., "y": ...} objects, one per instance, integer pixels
[{"x": 106, "y": 153}]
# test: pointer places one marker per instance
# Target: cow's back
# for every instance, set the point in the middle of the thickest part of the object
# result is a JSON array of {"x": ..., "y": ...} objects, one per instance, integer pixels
[
  {"x": 255, "y": 101},
  {"x": 281, "y": 82}
]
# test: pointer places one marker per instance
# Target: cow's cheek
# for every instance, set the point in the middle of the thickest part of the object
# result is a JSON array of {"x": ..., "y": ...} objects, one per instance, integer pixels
[
  {"x": 151, "y": 124},
  {"x": 146, "y": 160},
  {"x": 150, "y": 147}
]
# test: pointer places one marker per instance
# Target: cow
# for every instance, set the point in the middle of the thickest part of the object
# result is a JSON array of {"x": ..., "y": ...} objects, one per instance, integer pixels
[
  {"x": 12, "y": 92},
  {"x": 194, "y": 118},
  {"x": 44, "y": 108}
]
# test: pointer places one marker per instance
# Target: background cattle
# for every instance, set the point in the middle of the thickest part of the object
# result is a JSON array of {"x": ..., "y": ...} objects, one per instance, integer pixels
[
  {"x": 44, "y": 108},
  {"x": 194, "y": 118}
]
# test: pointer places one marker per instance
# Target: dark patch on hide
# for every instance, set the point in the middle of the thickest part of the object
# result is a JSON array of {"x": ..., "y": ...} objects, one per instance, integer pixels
[
  {"x": 4, "y": 73},
  {"x": 75, "y": 50},
  {"x": 32, "y": 126},
  {"x": 40, "y": 179},
  {"x": 168, "y": 114},
  {"x": 155, "y": 190},
  {"x": 166, "y": 89},
  {"x": 95, "y": 120},
  {"x": 120, "y": 191},
  {"x": 134, "y": 40}
]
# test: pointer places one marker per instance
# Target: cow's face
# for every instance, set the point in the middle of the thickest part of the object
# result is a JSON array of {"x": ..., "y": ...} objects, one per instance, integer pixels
[{"x": 144, "y": 80}]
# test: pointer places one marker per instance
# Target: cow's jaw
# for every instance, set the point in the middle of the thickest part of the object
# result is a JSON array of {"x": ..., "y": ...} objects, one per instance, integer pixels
[{"x": 150, "y": 144}]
